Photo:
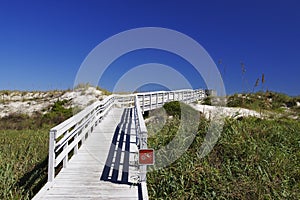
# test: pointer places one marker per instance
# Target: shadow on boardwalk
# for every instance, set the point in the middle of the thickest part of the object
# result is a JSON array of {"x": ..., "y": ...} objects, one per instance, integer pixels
[{"x": 116, "y": 168}]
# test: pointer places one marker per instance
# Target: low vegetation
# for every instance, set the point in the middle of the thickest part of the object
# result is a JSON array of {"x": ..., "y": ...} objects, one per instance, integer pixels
[
  {"x": 23, "y": 162},
  {"x": 263, "y": 100},
  {"x": 207, "y": 101},
  {"x": 253, "y": 159},
  {"x": 24, "y": 150},
  {"x": 85, "y": 86}
]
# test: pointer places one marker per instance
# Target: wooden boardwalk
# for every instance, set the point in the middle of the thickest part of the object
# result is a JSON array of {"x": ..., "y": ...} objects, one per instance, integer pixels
[
  {"x": 101, "y": 169},
  {"x": 104, "y": 140}
]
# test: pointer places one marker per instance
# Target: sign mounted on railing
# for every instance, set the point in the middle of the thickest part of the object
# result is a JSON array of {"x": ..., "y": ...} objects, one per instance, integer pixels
[{"x": 146, "y": 157}]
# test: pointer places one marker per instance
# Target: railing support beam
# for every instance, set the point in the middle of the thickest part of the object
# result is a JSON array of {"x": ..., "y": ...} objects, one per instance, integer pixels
[{"x": 51, "y": 158}]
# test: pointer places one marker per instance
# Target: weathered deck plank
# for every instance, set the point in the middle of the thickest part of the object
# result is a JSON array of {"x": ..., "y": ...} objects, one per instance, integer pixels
[{"x": 81, "y": 178}]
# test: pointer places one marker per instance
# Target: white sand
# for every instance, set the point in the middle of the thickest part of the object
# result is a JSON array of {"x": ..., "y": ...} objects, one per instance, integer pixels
[
  {"x": 211, "y": 112},
  {"x": 31, "y": 102}
]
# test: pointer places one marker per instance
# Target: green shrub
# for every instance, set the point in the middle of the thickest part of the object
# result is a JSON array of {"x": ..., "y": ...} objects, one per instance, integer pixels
[
  {"x": 179, "y": 110},
  {"x": 234, "y": 101},
  {"x": 207, "y": 101},
  {"x": 58, "y": 113},
  {"x": 173, "y": 108}
]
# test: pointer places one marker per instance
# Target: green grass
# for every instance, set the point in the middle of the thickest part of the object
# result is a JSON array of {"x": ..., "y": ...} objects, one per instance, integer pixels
[
  {"x": 24, "y": 150},
  {"x": 253, "y": 159},
  {"x": 23, "y": 162},
  {"x": 272, "y": 104},
  {"x": 262, "y": 100}
]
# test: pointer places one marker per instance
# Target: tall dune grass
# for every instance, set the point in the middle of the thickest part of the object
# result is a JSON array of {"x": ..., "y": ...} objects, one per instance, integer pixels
[
  {"x": 20, "y": 154},
  {"x": 253, "y": 159}
]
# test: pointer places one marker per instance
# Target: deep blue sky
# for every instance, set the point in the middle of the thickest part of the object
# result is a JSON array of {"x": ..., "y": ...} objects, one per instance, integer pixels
[{"x": 43, "y": 43}]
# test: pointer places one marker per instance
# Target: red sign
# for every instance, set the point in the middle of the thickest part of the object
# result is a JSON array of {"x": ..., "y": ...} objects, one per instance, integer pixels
[{"x": 146, "y": 157}]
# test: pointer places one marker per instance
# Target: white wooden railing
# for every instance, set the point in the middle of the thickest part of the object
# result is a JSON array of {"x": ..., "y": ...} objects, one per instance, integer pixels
[
  {"x": 141, "y": 132},
  {"x": 142, "y": 135},
  {"x": 66, "y": 138},
  {"x": 153, "y": 100}
]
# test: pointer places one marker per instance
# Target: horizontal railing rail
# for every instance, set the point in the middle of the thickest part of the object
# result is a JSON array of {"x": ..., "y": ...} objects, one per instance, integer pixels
[
  {"x": 153, "y": 100},
  {"x": 125, "y": 100},
  {"x": 142, "y": 135},
  {"x": 66, "y": 138}
]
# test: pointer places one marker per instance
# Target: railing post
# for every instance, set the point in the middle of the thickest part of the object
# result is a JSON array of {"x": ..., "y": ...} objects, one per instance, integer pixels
[
  {"x": 84, "y": 136},
  {"x": 143, "y": 103},
  {"x": 143, "y": 140},
  {"x": 51, "y": 157},
  {"x": 150, "y": 101},
  {"x": 76, "y": 146},
  {"x": 65, "y": 161},
  {"x": 156, "y": 100},
  {"x": 143, "y": 145},
  {"x": 194, "y": 95}
]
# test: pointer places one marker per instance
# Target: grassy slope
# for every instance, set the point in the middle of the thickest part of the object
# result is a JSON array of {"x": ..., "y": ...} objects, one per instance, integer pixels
[
  {"x": 253, "y": 159},
  {"x": 268, "y": 100}
]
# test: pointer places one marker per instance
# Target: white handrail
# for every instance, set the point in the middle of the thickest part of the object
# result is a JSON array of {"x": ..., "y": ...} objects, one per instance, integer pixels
[
  {"x": 66, "y": 137},
  {"x": 141, "y": 126},
  {"x": 142, "y": 134},
  {"x": 153, "y": 100}
]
